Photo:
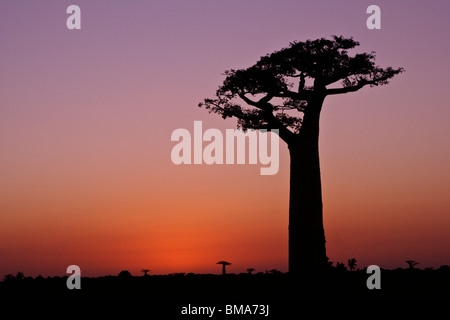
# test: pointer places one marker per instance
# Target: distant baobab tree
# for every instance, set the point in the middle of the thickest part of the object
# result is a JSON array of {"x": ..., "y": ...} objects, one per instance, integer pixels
[
  {"x": 351, "y": 264},
  {"x": 411, "y": 263},
  {"x": 285, "y": 90},
  {"x": 250, "y": 270},
  {"x": 224, "y": 264},
  {"x": 145, "y": 271}
]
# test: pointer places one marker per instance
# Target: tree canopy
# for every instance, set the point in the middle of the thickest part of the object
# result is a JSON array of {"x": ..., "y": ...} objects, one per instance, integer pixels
[{"x": 290, "y": 79}]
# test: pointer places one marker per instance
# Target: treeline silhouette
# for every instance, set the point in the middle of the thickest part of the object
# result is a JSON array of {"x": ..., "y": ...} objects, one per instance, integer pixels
[{"x": 338, "y": 283}]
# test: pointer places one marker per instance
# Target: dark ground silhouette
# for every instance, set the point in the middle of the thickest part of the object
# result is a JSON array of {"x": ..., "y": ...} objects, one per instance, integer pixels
[{"x": 338, "y": 284}]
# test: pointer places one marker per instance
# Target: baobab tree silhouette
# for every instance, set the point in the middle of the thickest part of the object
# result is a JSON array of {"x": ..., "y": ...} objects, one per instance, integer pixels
[
  {"x": 145, "y": 271},
  {"x": 285, "y": 90},
  {"x": 224, "y": 264},
  {"x": 411, "y": 264}
]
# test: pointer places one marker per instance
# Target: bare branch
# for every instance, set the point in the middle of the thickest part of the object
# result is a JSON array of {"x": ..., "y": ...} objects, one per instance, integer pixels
[
  {"x": 261, "y": 103},
  {"x": 304, "y": 95},
  {"x": 380, "y": 77},
  {"x": 344, "y": 89},
  {"x": 248, "y": 101}
]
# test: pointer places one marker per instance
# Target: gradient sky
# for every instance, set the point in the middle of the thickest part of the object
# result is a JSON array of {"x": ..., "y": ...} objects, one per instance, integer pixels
[{"x": 86, "y": 117}]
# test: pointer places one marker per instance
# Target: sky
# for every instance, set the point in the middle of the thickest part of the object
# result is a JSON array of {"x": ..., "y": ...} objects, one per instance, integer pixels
[{"x": 86, "y": 118}]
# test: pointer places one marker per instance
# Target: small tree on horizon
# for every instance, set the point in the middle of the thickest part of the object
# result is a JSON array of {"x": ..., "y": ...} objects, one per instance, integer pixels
[
  {"x": 340, "y": 266},
  {"x": 352, "y": 264},
  {"x": 19, "y": 276},
  {"x": 224, "y": 264},
  {"x": 124, "y": 274},
  {"x": 145, "y": 271},
  {"x": 411, "y": 264},
  {"x": 250, "y": 270},
  {"x": 273, "y": 271},
  {"x": 8, "y": 277}
]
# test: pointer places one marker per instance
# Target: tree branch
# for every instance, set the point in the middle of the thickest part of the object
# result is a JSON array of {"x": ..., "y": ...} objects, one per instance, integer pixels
[
  {"x": 272, "y": 122},
  {"x": 344, "y": 90},
  {"x": 381, "y": 78},
  {"x": 361, "y": 83},
  {"x": 303, "y": 95},
  {"x": 261, "y": 103}
]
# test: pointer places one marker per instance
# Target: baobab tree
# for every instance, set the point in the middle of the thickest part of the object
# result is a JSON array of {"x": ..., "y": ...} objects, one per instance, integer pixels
[
  {"x": 145, "y": 271},
  {"x": 411, "y": 264},
  {"x": 224, "y": 264},
  {"x": 285, "y": 90}
]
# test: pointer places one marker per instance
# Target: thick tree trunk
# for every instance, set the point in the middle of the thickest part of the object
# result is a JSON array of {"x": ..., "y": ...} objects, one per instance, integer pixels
[{"x": 307, "y": 254}]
